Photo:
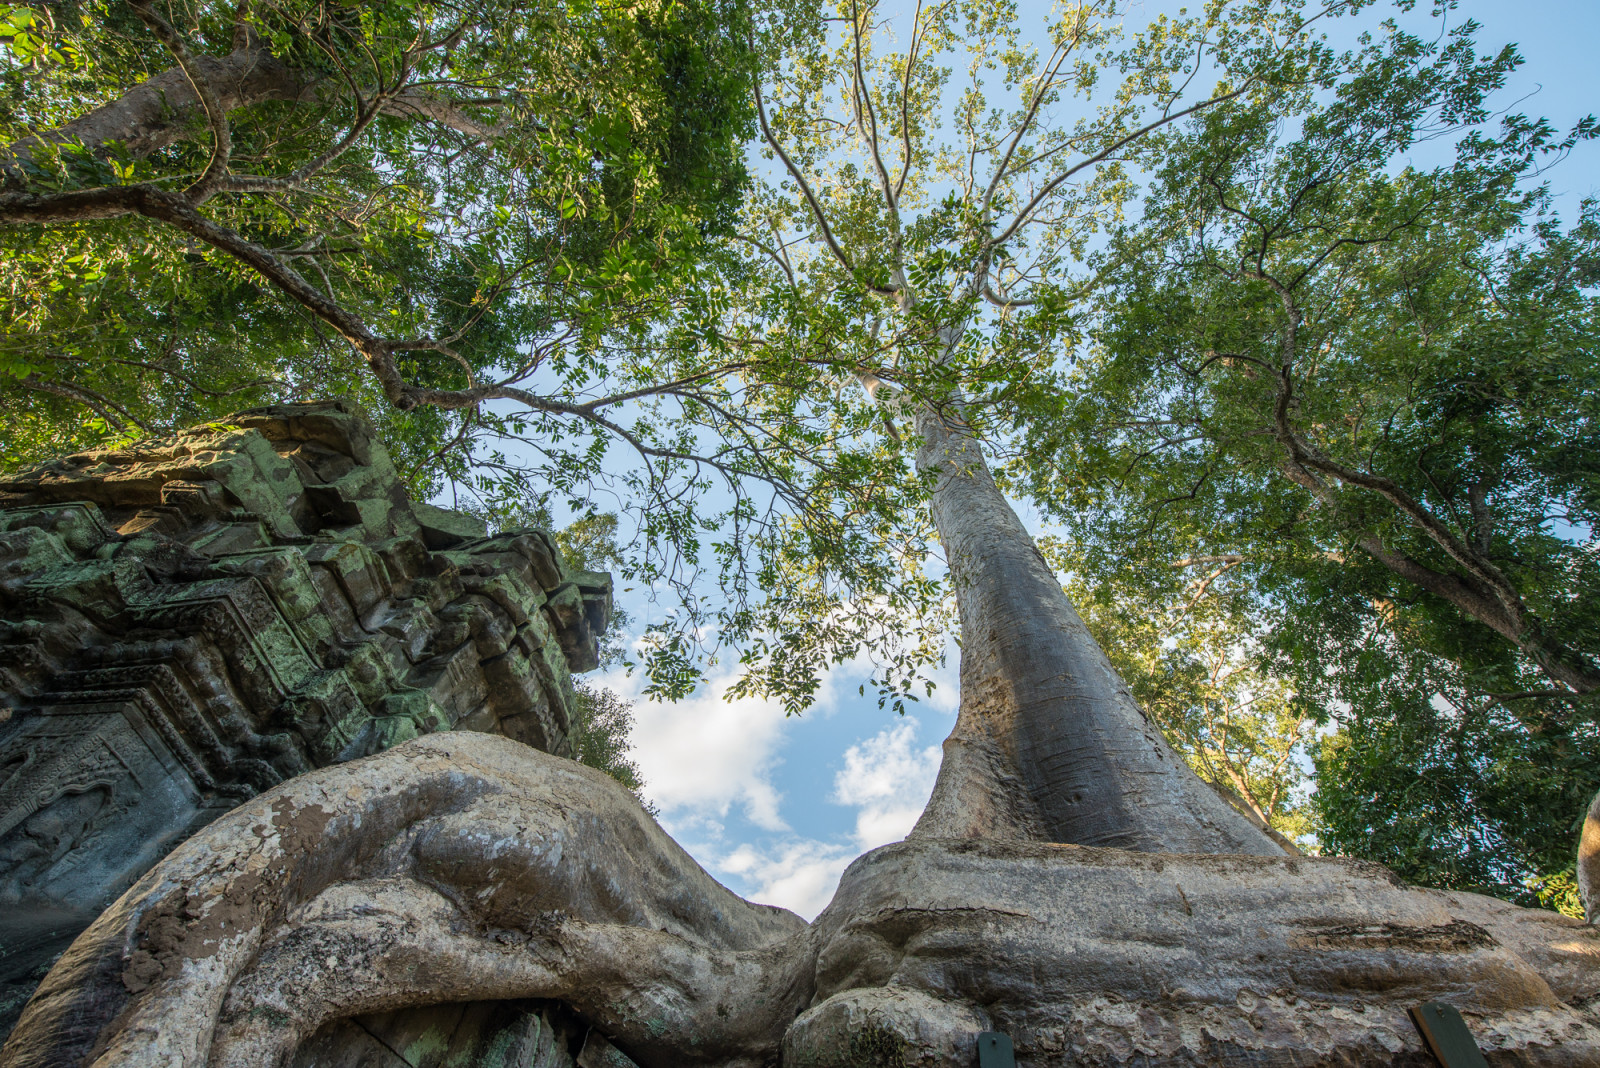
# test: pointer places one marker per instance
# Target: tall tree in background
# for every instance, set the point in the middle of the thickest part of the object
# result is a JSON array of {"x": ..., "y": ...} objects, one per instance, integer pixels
[
  {"x": 1363, "y": 396},
  {"x": 948, "y": 280}
]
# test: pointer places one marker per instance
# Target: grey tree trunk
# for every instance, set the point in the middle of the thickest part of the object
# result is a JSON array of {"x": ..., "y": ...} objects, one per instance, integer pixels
[
  {"x": 163, "y": 109},
  {"x": 1049, "y": 744}
]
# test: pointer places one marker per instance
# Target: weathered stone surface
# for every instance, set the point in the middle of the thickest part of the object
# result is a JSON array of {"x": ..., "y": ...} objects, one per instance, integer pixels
[
  {"x": 468, "y": 866},
  {"x": 187, "y": 622},
  {"x": 456, "y": 867}
]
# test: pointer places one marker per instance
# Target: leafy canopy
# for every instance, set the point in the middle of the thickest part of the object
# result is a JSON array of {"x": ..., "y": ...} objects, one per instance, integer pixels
[
  {"x": 1361, "y": 396},
  {"x": 207, "y": 206}
]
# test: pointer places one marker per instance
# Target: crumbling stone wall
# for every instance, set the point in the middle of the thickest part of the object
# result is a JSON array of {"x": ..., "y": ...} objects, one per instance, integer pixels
[{"x": 187, "y": 622}]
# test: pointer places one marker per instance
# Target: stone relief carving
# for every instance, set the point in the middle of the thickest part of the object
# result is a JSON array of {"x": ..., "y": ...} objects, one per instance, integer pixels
[{"x": 187, "y": 622}]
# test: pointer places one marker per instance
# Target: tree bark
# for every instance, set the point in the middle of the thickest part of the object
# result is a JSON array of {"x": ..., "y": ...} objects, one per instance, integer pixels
[
  {"x": 460, "y": 867},
  {"x": 1049, "y": 744},
  {"x": 464, "y": 866},
  {"x": 467, "y": 867},
  {"x": 1589, "y": 862},
  {"x": 164, "y": 109}
]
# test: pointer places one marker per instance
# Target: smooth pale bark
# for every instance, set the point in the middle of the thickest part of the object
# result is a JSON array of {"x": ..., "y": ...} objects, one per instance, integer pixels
[
  {"x": 164, "y": 109},
  {"x": 1589, "y": 862},
  {"x": 1115, "y": 959},
  {"x": 1049, "y": 745}
]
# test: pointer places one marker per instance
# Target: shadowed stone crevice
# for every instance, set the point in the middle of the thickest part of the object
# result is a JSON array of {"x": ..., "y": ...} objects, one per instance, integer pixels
[{"x": 500, "y": 1034}]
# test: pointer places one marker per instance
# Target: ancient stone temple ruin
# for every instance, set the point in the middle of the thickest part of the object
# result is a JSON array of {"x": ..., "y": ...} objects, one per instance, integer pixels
[
  {"x": 282, "y": 760},
  {"x": 188, "y": 622}
]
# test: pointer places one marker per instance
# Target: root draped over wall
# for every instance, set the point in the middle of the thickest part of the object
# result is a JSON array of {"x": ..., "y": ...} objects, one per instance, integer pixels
[{"x": 469, "y": 867}]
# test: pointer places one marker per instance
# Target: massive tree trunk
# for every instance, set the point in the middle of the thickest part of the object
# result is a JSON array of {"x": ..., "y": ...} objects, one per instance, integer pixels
[
  {"x": 468, "y": 867},
  {"x": 1049, "y": 745}
]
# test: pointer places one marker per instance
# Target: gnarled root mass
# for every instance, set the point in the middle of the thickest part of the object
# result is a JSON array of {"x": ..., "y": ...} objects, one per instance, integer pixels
[
  {"x": 1099, "y": 957},
  {"x": 461, "y": 867},
  {"x": 469, "y": 868}
]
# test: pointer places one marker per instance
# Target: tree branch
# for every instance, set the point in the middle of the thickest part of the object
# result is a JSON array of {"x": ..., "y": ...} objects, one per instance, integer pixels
[
  {"x": 1022, "y": 216},
  {"x": 157, "y": 112},
  {"x": 415, "y": 103},
  {"x": 811, "y": 197},
  {"x": 221, "y": 136},
  {"x": 108, "y": 409}
]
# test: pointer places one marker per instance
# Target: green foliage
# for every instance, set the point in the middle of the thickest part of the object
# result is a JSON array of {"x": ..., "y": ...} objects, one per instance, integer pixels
[
  {"x": 1451, "y": 788},
  {"x": 498, "y": 217},
  {"x": 601, "y": 725},
  {"x": 543, "y": 266},
  {"x": 1559, "y": 893},
  {"x": 919, "y": 247},
  {"x": 484, "y": 175},
  {"x": 1373, "y": 388}
]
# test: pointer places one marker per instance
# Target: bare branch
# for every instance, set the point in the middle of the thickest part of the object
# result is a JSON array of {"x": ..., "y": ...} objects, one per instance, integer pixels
[
  {"x": 1040, "y": 92},
  {"x": 415, "y": 103},
  {"x": 157, "y": 112},
  {"x": 811, "y": 197},
  {"x": 1023, "y": 216},
  {"x": 1003, "y": 302},
  {"x": 869, "y": 129},
  {"x": 772, "y": 253},
  {"x": 905, "y": 101}
]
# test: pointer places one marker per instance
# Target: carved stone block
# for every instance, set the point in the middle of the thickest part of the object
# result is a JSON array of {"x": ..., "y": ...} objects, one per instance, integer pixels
[{"x": 189, "y": 621}]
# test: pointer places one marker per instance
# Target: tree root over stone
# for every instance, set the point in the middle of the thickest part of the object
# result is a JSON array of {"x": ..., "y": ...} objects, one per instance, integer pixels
[
  {"x": 467, "y": 867},
  {"x": 460, "y": 867}
]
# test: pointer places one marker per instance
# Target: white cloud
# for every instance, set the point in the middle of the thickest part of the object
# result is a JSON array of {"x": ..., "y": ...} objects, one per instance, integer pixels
[
  {"x": 706, "y": 757},
  {"x": 701, "y": 756},
  {"x": 801, "y": 875},
  {"x": 887, "y": 778},
  {"x": 889, "y": 781}
]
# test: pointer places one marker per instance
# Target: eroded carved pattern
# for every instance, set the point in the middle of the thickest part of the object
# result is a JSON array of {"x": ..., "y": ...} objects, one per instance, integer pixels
[{"x": 187, "y": 622}]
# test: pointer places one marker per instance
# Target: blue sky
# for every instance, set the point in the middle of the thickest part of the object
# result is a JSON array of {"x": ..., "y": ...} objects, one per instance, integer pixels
[{"x": 776, "y": 807}]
